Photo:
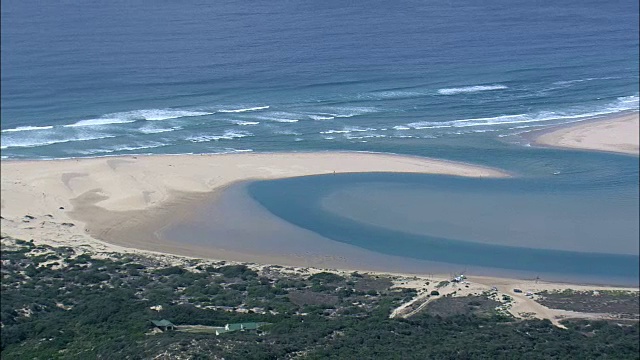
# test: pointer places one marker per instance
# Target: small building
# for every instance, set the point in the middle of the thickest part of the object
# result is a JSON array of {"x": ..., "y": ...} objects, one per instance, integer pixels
[{"x": 163, "y": 324}]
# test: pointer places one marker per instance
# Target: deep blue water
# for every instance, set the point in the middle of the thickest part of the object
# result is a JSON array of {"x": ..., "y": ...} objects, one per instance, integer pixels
[{"x": 116, "y": 77}]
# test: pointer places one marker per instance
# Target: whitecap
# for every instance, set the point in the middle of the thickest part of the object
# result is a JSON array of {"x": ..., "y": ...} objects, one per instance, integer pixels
[
  {"x": 244, "y": 109},
  {"x": 280, "y": 116},
  {"x": 285, "y": 120},
  {"x": 99, "y": 122},
  {"x": 154, "y": 130},
  {"x": 321, "y": 117},
  {"x": 471, "y": 89},
  {"x": 28, "y": 128},
  {"x": 245, "y": 123},
  {"x": 621, "y": 104},
  {"x": 347, "y": 112},
  {"x": 162, "y": 114},
  {"x": 347, "y": 130},
  {"x": 234, "y": 151},
  {"x": 569, "y": 82},
  {"x": 30, "y": 142},
  {"x": 228, "y": 135}
]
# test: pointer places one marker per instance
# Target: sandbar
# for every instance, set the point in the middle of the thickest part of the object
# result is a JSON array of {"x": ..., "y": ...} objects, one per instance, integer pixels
[
  {"x": 615, "y": 134},
  {"x": 75, "y": 201}
]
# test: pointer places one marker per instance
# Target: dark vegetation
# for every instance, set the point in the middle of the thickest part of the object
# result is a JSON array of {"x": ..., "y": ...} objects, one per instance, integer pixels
[
  {"x": 479, "y": 306},
  {"x": 623, "y": 303},
  {"x": 59, "y": 304}
]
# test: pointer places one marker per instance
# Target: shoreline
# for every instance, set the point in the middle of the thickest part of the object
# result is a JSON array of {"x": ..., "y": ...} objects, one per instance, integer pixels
[
  {"x": 88, "y": 202},
  {"x": 613, "y": 134},
  {"x": 114, "y": 199}
]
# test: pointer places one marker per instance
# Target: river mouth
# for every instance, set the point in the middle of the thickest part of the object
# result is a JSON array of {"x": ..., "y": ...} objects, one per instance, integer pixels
[{"x": 426, "y": 223}]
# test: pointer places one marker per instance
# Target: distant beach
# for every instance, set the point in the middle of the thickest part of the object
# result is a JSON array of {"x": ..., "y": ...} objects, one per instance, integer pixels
[{"x": 618, "y": 134}]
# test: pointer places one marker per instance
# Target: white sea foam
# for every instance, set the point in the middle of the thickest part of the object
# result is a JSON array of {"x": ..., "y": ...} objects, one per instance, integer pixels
[
  {"x": 321, "y": 117},
  {"x": 391, "y": 94},
  {"x": 228, "y": 135},
  {"x": 32, "y": 142},
  {"x": 161, "y": 114},
  {"x": 286, "y": 120},
  {"x": 99, "y": 122},
  {"x": 335, "y": 132},
  {"x": 154, "y": 130},
  {"x": 118, "y": 148},
  {"x": 347, "y": 130},
  {"x": 569, "y": 82},
  {"x": 366, "y": 136},
  {"x": 620, "y": 104},
  {"x": 280, "y": 116},
  {"x": 347, "y": 112},
  {"x": 286, "y": 132},
  {"x": 132, "y": 116},
  {"x": 28, "y": 128},
  {"x": 404, "y": 136},
  {"x": 471, "y": 89},
  {"x": 245, "y": 123},
  {"x": 243, "y": 109},
  {"x": 401, "y": 128},
  {"x": 233, "y": 151}
]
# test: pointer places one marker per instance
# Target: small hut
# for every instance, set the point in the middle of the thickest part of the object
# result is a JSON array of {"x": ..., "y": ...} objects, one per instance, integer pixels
[{"x": 163, "y": 324}]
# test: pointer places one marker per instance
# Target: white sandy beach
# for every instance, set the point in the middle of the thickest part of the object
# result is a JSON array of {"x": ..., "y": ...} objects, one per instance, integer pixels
[
  {"x": 618, "y": 134},
  {"x": 119, "y": 186}
]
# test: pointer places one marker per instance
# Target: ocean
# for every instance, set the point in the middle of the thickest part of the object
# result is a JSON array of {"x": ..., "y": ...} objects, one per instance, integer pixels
[
  {"x": 118, "y": 78},
  {"x": 462, "y": 80}
]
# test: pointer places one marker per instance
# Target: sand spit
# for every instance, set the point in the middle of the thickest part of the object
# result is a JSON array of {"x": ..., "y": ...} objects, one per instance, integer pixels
[
  {"x": 44, "y": 199},
  {"x": 618, "y": 134}
]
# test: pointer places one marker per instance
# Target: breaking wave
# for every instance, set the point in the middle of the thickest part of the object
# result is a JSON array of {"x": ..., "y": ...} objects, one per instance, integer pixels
[
  {"x": 621, "y": 104},
  {"x": 471, "y": 89},
  {"x": 228, "y": 135},
  {"x": 28, "y": 128},
  {"x": 30, "y": 142},
  {"x": 244, "y": 109}
]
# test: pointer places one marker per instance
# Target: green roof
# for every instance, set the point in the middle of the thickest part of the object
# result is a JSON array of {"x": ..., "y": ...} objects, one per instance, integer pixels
[{"x": 162, "y": 322}]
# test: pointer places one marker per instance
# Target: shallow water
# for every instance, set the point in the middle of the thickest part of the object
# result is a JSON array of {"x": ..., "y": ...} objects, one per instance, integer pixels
[{"x": 544, "y": 226}]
